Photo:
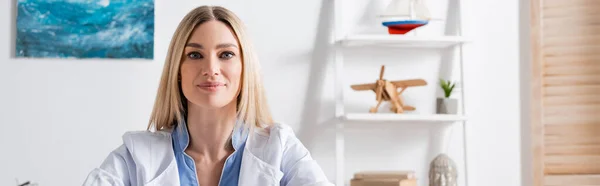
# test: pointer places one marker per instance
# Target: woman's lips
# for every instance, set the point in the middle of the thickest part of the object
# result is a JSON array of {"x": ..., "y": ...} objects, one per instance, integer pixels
[{"x": 211, "y": 86}]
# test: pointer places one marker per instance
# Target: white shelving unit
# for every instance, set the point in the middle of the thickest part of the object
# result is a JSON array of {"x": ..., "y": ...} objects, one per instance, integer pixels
[
  {"x": 391, "y": 117},
  {"x": 402, "y": 41},
  {"x": 343, "y": 40}
]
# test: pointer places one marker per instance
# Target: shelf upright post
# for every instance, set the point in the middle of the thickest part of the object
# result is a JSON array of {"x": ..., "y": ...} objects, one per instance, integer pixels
[
  {"x": 460, "y": 19},
  {"x": 339, "y": 101}
]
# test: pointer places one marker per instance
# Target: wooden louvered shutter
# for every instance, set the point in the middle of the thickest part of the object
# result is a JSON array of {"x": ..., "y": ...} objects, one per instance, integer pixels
[{"x": 566, "y": 92}]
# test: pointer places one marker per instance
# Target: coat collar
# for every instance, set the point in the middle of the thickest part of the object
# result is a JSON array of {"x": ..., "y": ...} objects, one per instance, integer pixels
[{"x": 181, "y": 136}]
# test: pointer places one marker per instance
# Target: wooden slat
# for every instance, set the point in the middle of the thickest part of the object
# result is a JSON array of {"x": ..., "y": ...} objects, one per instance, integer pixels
[
  {"x": 572, "y": 31},
  {"x": 577, "y": 20},
  {"x": 571, "y": 140},
  {"x": 572, "y": 164},
  {"x": 576, "y": 79},
  {"x": 571, "y": 130},
  {"x": 572, "y": 50},
  {"x": 568, "y": 3},
  {"x": 572, "y": 110},
  {"x": 571, "y": 11},
  {"x": 571, "y": 100},
  {"x": 572, "y": 180},
  {"x": 572, "y": 90},
  {"x": 573, "y": 70},
  {"x": 570, "y": 41},
  {"x": 572, "y": 159},
  {"x": 572, "y": 60},
  {"x": 573, "y": 169},
  {"x": 571, "y": 149},
  {"x": 581, "y": 119}
]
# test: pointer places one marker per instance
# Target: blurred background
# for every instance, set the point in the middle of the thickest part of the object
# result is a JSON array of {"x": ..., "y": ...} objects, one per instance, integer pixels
[{"x": 62, "y": 115}]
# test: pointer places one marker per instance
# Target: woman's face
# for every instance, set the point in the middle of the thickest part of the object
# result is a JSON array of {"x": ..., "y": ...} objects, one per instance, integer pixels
[{"x": 211, "y": 67}]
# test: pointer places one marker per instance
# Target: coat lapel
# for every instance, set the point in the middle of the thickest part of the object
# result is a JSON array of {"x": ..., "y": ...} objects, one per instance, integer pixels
[
  {"x": 169, "y": 177},
  {"x": 255, "y": 171}
]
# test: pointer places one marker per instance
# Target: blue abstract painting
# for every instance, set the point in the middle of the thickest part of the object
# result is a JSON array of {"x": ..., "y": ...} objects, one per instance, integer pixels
[{"x": 85, "y": 29}]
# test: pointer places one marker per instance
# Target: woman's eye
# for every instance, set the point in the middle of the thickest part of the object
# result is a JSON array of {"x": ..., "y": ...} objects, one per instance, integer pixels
[
  {"x": 227, "y": 55},
  {"x": 194, "y": 55}
]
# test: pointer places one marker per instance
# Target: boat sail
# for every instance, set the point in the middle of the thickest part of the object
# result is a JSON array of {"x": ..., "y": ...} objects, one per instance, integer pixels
[{"x": 402, "y": 16}]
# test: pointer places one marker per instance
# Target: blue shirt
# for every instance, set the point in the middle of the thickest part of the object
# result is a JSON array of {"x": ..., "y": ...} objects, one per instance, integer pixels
[{"x": 187, "y": 167}]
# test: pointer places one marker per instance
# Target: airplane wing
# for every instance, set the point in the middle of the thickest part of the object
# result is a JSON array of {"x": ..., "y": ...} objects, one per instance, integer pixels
[
  {"x": 370, "y": 86},
  {"x": 409, "y": 83}
]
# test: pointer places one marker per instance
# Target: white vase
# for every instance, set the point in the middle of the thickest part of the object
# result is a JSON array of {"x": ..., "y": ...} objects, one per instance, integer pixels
[{"x": 447, "y": 106}]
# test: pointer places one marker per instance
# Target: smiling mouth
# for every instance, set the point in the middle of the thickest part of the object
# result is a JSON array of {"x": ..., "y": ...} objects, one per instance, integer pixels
[{"x": 211, "y": 86}]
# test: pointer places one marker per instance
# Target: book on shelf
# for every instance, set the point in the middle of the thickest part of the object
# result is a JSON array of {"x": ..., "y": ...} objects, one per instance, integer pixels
[
  {"x": 384, "y": 178},
  {"x": 383, "y": 182},
  {"x": 385, "y": 174}
]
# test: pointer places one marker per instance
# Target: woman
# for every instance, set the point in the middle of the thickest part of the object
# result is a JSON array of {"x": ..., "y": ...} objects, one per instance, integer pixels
[{"x": 211, "y": 124}]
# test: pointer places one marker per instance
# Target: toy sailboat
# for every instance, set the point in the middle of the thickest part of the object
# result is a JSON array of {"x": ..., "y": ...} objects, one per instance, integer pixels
[{"x": 402, "y": 16}]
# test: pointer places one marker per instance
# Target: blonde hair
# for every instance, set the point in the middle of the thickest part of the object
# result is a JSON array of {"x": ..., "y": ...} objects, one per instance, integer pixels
[{"x": 170, "y": 104}]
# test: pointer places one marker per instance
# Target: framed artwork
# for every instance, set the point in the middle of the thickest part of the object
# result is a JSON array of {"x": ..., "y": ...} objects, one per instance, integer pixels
[{"x": 85, "y": 29}]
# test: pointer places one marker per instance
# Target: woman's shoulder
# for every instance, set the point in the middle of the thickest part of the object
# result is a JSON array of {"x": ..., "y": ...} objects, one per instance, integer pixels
[
  {"x": 150, "y": 151},
  {"x": 144, "y": 141},
  {"x": 147, "y": 146},
  {"x": 147, "y": 136}
]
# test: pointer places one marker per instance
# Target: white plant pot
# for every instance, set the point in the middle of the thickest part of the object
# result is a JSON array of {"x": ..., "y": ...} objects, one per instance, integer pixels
[{"x": 447, "y": 106}]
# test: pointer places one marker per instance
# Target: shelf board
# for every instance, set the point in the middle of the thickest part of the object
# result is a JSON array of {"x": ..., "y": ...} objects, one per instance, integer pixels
[
  {"x": 404, "y": 41},
  {"x": 387, "y": 117}
]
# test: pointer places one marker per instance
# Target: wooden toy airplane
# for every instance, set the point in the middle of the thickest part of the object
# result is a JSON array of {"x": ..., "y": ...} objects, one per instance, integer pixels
[{"x": 388, "y": 91}]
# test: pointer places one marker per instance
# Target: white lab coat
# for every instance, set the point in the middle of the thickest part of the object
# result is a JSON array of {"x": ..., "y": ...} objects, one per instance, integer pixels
[{"x": 147, "y": 158}]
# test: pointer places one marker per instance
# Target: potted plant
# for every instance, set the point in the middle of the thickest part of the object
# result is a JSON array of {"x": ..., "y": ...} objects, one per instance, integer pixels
[{"x": 447, "y": 105}]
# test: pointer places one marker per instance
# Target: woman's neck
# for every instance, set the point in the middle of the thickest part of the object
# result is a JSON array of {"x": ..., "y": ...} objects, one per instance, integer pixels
[{"x": 210, "y": 132}]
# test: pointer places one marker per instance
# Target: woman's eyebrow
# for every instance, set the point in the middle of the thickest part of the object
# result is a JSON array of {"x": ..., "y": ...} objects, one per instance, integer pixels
[
  {"x": 195, "y": 45},
  {"x": 226, "y": 45},
  {"x": 223, "y": 45}
]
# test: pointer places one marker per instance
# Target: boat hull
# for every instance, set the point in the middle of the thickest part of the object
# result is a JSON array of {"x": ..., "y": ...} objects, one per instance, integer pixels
[{"x": 403, "y": 27}]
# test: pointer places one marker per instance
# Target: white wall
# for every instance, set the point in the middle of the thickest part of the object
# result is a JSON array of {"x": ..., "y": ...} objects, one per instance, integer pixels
[
  {"x": 61, "y": 117},
  {"x": 493, "y": 93}
]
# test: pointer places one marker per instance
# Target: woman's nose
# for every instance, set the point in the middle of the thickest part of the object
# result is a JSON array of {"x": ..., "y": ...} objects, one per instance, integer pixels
[{"x": 212, "y": 67}]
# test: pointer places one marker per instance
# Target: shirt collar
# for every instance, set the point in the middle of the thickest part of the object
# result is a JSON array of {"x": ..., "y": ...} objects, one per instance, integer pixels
[{"x": 181, "y": 136}]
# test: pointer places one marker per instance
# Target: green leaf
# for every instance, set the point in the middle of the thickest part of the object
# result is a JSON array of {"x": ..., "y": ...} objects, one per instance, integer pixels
[{"x": 447, "y": 86}]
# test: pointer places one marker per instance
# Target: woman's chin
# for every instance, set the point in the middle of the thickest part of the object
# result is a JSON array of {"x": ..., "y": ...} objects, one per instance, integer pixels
[{"x": 213, "y": 103}]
